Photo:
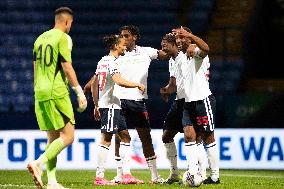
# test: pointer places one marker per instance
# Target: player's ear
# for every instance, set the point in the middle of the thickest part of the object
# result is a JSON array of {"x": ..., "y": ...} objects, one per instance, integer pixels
[
  {"x": 135, "y": 37},
  {"x": 115, "y": 47}
]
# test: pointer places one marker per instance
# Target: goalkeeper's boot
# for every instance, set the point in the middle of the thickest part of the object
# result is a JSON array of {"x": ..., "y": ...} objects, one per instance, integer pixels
[
  {"x": 158, "y": 180},
  {"x": 210, "y": 181},
  {"x": 36, "y": 173},
  {"x": 173, "y": 178},
  {"x": 129, "y": 179},
  {"x": 103, "y": 181},
  {"x": 55, "y": 186}
]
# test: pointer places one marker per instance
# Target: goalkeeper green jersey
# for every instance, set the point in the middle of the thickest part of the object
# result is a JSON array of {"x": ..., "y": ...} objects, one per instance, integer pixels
[{"x": 50, "y": 49}]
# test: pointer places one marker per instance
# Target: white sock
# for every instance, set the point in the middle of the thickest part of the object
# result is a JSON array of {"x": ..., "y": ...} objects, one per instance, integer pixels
[
  {"x": 191, "y": 156},
  {"x": 119, "y": 170},
  {"x": 124, "y": 152},
  {"x": 201, "y": 157},
  {"x": 213, "y": 159},
  {"x": 102, "y": 157},
  {"x": 171, "y": 152},
  {"x": 152, "y": 164}
]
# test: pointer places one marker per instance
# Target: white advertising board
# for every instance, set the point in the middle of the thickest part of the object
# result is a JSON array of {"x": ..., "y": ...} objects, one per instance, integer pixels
[{"x": 239, "y": 149}]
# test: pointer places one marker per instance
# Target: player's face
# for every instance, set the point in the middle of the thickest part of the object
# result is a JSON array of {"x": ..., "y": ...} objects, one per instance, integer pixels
[
  {"x": 129, "y": 38},
  {"x": 182, "y": 42},
  {"x": 120, "y": 47},
  {"x": 167, "y": 47}
]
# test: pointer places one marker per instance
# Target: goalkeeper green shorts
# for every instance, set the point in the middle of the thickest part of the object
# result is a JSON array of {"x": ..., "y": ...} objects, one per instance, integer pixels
[{"x": 54, "y": 114}]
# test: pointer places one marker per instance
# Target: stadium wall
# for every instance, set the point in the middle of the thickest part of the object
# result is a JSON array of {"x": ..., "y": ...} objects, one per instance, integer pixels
[{"x": 239, "y": 149}]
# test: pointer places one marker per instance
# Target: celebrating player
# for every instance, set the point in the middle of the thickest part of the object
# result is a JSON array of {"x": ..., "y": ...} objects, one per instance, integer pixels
[
  {"x": 108, "y": 108},
  {"x": 199, "y": 107},
  {"x": 173, "y": 121},
  {"x": 134, "y": 67},
  {"x": 52, "y": 71}
]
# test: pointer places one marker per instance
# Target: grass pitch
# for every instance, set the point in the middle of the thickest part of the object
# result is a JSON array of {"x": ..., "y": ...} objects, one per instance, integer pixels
[{"x": 82, "y": 179}]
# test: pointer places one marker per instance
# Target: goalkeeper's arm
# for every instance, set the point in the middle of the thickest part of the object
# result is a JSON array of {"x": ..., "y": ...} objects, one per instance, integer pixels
[{"x": 72, "y": 78}]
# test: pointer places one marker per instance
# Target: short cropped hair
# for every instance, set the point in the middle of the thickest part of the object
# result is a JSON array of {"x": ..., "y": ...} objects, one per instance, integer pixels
[
  {"x": 110, "y": 41},
  {"x": 170, "y": 38},
  {"x": 65, "y": 10},
  {"x": 185, "y": 28},
  {"x": 134, "y": 30}
]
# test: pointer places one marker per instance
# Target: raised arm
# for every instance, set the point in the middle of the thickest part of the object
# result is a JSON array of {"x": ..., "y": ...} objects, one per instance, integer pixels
[{"x": 200, "y": 43}]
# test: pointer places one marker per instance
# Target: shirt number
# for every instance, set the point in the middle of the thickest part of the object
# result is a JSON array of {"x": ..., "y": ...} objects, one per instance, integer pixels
[{"x": 102, "y": 80}]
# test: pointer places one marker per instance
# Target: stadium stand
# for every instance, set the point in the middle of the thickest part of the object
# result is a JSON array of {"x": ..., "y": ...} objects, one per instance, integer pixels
[{"x": 22, "y": 22}]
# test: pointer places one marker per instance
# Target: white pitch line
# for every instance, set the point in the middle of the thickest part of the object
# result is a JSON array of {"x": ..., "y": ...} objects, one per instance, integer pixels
[
  {"x": 253, "y": 176},
  {"x": 16, "y": 185}
]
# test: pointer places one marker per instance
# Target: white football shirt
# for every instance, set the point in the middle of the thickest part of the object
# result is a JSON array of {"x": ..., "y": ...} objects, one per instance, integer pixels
[
  {"x": 106, "y": 68},
  {"x": 134, "y": 66},
  {"x": 176, "y": 68},
  {"x": 196, "y": 83}
]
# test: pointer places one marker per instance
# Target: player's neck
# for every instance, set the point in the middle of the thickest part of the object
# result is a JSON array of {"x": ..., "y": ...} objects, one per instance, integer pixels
[
  {"x": 131, "y": 47},
  {"x": 60, "y": 27},
  {"x": 114, "y": 53},
  {"x": 175, "y": 54}
]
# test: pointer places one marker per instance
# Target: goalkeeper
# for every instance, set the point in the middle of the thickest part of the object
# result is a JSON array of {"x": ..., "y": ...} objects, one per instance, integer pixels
[{"x": 53, "y": 108}]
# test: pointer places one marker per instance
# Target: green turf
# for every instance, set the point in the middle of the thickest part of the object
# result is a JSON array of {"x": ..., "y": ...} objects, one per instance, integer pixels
[{"x": 233, "y": 179}]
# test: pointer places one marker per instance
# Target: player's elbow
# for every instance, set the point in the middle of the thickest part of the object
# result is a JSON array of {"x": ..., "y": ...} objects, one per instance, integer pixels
[{"x": 67, "y": 68}]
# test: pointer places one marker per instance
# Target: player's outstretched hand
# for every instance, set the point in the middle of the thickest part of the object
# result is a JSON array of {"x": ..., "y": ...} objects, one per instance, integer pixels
[
  {"x": 164, "y": 94},
  {"x": 81, "y": 98},
  {"x": 141, "y": 87},
  {"x": 97, "y": 113}
]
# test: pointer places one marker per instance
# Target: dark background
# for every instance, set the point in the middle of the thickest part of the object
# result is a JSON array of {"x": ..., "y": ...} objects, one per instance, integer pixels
[{"x": 245, "y": 39}]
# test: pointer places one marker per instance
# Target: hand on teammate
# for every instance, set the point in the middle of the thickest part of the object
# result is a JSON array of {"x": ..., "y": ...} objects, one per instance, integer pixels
[
  {"x": 164, "y": 94},
  {"x": 141, "y": 87}
]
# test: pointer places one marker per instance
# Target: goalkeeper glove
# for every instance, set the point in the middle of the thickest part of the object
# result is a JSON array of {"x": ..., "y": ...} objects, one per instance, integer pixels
[{"x": 81, "y": 98}]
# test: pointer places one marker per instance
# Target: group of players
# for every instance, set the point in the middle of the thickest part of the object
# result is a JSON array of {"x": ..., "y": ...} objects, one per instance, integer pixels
[{"x": 119, "y": 90}]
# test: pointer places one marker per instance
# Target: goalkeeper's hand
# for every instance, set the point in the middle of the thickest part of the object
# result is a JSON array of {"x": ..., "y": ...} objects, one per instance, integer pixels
[{"x": 81, "y": 98}]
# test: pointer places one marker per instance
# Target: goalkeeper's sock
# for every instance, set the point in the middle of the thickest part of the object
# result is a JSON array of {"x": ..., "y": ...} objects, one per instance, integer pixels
[
  {"x": 191, "y": 156},
  {"x": 51, "y": 152},
  {"x": 201, "y": 157},
  {"x": 171, "y": 153},
  {"x": 51, "y": 169},
  {"x": 102, "y": 156},
  {"x": 124, "y": 152},
  {"x": 152, "y": 164},
  {"x": 213, "y": 159}
]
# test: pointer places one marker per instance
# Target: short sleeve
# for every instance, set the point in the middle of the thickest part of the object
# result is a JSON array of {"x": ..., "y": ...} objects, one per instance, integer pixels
[
  {"x": 113, "y": 68},
  {"x": 65, "y": 48},
  {"x": 152, "y": 53}
]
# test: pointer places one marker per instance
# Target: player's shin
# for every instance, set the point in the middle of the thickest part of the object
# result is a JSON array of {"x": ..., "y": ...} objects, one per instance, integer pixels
[
  {"x": 191, "y": 151},
  {"x": 171, "y": 153},
  {"x": 202, "y": 158},
  {"x": 102, "y": 157},
  {"x": 213, "y": 159},
  {"x": 124, "y": 152}
]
